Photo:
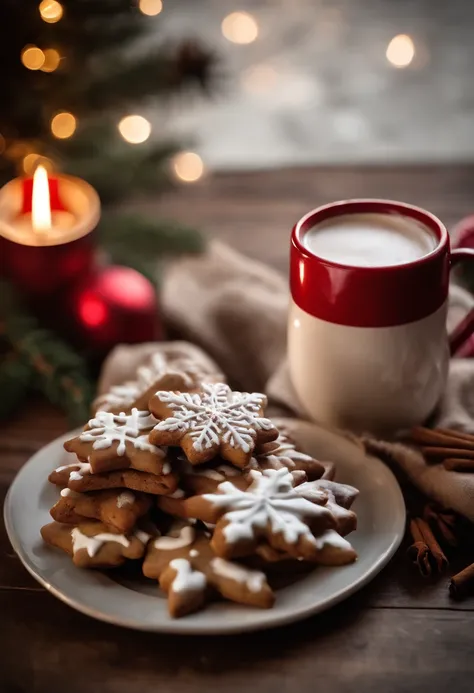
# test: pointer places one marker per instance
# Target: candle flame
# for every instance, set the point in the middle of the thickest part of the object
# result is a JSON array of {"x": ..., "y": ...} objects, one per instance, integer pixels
[{"x": 40, "y": 204}]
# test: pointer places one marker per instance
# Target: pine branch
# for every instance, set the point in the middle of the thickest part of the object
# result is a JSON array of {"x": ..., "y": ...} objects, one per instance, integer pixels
[
  {"x": 48, "y": 363},
  {"x": 161, "y": 72},
  {"x": 152, "y": 238},
  {"x": 16, "y": 377},
  {"x": 124, "y": 169}
]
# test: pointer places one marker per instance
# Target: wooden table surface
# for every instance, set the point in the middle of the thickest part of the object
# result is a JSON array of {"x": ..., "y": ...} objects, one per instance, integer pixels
[{"x": 399, "y": 634}]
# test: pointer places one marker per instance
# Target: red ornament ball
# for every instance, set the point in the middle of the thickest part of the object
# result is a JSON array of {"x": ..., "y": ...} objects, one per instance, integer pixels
[{"x": 115, "y": 304}]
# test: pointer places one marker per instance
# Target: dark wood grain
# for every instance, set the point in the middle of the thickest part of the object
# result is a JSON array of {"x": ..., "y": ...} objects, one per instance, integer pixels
[{"x": 399, "y": 634}]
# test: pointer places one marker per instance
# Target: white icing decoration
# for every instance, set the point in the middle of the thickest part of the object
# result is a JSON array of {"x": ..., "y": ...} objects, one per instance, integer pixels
[
  {"x": 75, "y": 476},
  {"x": 166, "y": 468},
  {"x": 126, "y": 394},
  {"x": 142, "y": 536},
  {"x": 285, "y": 452},
  {"x": 219, "y": 473},
  {"x": 106, "y": 428},
  {"x": 84, "y": 468},
  {"x": 125, "y": 498},
  {"x": 194, "y": 553},
  {"x": 252, "y": 579},
  {"x": 187, "y": 579},
  {"x": 93, "y": 544},
  {"x": 170, "y": 542},
  {"x": 69, "y": 492},
  {"x": 216, "y": 415},
  {"x": 287, "y": 449},
  {"x": 331, "y": 538},
  {"x": 179, "y": 493},
  {"x": 269, "y": 500},
  {"x": 119, "y": 396}
]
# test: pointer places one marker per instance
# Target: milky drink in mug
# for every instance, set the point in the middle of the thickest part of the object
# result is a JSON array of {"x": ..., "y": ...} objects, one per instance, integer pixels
[{"x": 367, "y": 342}]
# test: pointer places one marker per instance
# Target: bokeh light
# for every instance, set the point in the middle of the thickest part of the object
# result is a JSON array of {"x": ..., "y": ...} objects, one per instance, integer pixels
[
  {"x": 92, "y": 310},
  {"x": 188, "y": 166},
  {"x": 63, "y": 125},
  {"x": 51, "y": 60},
  {"x": 50, "y": 11},
  {"x": 150, "y": 7},
  {"x": 240, "y": 27},
  {"x": 134, "y": 129},
  {"x": 31, "y": 162},
  {"x": 400, "y": 51},
  {"x": 32, "y": 57},
  {"x": 259, "y": 78}
]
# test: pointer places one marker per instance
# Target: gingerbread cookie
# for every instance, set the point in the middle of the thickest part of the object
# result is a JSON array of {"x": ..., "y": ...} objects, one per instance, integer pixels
[
  {"x": 339, "y": 500},
  {"x": 118, "y": 441},
  {"x": 119, "y": 509},
  {"x": 189, "y": 571},
  {"x": 215, "y": 421},
  {"x": 205, "y": 478},
  {"x": 93, "y": 545},
  {"x": 281, "y": 453},
  {"x": 168, "y": 369},
  {"x": 78, "y": 477},
  {"x": 270, "y": 509},
  {"x": 332, "y": 549}
]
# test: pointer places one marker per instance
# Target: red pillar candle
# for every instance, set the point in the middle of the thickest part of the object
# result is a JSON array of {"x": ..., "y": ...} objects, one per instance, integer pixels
[{"x": 45, "y": 232}]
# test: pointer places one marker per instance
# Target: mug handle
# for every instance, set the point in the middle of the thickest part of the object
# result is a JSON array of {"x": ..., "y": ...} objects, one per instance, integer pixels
[{"x": 466, "y": 327}]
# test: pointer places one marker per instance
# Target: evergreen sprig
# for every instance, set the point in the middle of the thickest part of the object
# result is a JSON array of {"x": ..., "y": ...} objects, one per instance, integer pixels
[{"x": 35, "y": 358}]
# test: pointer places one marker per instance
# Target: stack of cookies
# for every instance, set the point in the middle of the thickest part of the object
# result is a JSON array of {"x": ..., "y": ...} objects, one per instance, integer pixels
[{"x": 202, "y": 486}]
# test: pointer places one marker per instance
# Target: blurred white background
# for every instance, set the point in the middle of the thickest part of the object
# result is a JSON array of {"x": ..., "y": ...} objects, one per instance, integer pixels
[{"x": 322, "y": 81}]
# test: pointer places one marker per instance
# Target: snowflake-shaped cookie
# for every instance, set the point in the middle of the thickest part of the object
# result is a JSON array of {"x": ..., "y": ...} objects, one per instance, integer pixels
[
  {"x": 117, "y": 441},
  {"x": 163, "y": 371},
  {"x": 282, "y": 452},
  {"x": 269, "y": 509},
  {"x": 216, "y": 420}
]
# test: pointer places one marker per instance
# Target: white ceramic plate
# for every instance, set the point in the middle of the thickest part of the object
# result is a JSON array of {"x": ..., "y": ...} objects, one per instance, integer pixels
[{"x": 381, "y": 521}]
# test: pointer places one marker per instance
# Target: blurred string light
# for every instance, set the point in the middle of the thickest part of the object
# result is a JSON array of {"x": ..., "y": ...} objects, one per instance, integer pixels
[
  {"x": 63, "y": 125},
  {"x": 51, "y": 60},
  {"x": 31, "y": 162},
  {"x": 32, "y": 57},
  {"x": 259, "y": 78},
  {"x": 50, "y": 11},
  {"x": 134, "y": 129},
  {"x": 240, "y": 27},
  {"x": 187, "y": 167},
  {"x": 150, "y": 7},
  {"x": 400, "y": 51}
]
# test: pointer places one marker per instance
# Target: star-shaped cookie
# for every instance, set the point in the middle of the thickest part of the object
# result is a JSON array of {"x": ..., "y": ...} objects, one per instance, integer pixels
[{"x": 214, "y": 421}]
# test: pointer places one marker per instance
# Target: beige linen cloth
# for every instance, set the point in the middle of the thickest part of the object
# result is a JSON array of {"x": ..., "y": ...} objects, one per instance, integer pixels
[{"x": 235, "y": 310}]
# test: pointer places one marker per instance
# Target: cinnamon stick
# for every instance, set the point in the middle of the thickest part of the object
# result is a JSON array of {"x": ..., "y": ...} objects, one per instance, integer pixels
[
  {"x": 444, "y": 453},
  {"x": 418, "y": 552},
  {"x": 458, "y": 464},
  {"x": 435, "y": 549},
  {"x": 463, "y": 583},
  {"x": 437, "y": 437},
  {"x": 469, "y": 437},
  {"x": 425, "y": 552},
  {"x": 443, "y": 522}
]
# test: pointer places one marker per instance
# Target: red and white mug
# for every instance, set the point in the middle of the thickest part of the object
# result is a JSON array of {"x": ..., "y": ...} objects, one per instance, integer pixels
[{"x": 367, "y": 345}]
